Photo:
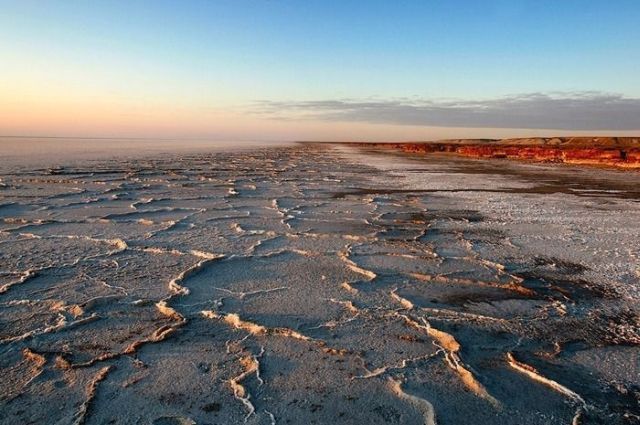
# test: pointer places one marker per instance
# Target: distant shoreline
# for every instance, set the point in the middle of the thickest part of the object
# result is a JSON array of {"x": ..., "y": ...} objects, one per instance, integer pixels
[{"x": 619, "y": 152}]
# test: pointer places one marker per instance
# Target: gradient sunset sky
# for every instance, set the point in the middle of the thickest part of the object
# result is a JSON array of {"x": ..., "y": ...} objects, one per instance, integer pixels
[{"x": 319, "y": 70}]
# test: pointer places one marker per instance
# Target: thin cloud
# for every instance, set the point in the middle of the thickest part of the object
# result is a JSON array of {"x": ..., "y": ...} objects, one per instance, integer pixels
[{"x": 555, "y": 111}]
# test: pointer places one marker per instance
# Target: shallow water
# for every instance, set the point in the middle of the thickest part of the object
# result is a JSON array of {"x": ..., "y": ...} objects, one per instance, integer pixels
[
  {"x": 20, "y": 152},
  {"x": 317, "y": 284}
]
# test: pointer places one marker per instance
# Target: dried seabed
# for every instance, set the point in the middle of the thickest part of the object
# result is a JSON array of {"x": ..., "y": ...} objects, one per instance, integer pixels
[{"x": 282, "y": 286}]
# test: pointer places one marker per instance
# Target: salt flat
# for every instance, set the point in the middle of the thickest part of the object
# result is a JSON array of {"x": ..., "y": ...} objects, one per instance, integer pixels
[{"x": 318, "y": 284}]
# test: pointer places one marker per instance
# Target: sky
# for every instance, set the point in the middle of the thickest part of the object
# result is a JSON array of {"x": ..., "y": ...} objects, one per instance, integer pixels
[{"x": 319, "y": 69}]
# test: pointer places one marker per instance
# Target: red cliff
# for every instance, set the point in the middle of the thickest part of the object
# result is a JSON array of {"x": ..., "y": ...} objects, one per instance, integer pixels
[{"x": 622, "y": 152}]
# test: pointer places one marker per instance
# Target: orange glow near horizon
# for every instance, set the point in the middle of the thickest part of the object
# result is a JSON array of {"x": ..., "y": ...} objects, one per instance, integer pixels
[{"x": 76, "y": 116}]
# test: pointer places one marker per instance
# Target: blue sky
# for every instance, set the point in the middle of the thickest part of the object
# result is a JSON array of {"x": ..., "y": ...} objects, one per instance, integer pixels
[{"x": 225, "y": 59}]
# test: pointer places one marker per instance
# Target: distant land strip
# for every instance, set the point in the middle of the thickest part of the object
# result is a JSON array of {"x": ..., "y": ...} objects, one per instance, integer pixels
[{"x": 620, "y": 152}]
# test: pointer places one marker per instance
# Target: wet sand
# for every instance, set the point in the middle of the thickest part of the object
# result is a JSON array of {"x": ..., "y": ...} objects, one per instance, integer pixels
[{"x": 318, "y": 284}]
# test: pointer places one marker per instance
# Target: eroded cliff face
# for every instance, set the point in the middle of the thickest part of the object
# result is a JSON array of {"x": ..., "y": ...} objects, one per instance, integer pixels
[{"x": 622, "y": 152}]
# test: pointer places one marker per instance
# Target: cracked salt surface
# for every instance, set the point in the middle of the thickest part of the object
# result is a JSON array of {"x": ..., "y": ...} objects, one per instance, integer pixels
[{"x": 318, "y": 284}]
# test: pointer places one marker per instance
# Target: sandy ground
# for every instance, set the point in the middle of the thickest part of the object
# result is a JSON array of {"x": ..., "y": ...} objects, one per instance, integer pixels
[{"x": 318, "y": 284}]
